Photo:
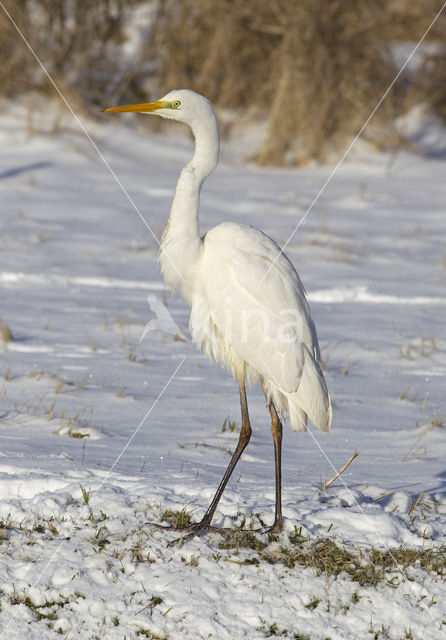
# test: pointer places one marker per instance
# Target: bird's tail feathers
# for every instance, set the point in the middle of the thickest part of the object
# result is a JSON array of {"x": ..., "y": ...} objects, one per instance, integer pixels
[
  {"x": 311, "y": 397},
  {"x": 298, "y": 417}
]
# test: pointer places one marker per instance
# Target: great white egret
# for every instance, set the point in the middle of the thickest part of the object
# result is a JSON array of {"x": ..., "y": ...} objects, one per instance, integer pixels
[{"x": 249, "y": 313}]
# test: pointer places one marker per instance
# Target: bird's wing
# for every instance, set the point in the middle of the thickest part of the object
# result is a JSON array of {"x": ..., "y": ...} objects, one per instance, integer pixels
[{"x": 258, "y": 303}]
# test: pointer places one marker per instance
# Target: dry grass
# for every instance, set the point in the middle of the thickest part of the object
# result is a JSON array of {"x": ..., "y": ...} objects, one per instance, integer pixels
[
  {"x": 421, "y": 346},
  {"x": 177, "y": 519},
  {"x": 328, "y": 558},
  {"x": 77, "y": 42},
  {"x": 315, "y": 69},
  {"x": 229, "y": 425},
  {"x": 5, "y": 333},
  {"x": 326, "y": 483}
]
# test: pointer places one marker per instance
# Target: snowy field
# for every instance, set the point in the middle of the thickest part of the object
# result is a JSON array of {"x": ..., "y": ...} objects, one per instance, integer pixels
[{"x": 101, "y": 433}]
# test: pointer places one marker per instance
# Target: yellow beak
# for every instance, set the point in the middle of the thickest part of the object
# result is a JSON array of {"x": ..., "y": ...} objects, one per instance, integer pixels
[{"x": 143, "y": 107}]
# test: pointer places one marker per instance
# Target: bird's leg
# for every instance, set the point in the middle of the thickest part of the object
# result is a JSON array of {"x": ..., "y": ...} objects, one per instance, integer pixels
[
  {"x": 276, "y": 430},
  {"x": 245, "y": 435}
]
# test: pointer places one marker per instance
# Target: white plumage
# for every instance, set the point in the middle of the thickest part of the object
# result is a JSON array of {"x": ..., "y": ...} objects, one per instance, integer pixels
[
  {"x": 249, "y": 313},
  {"x": 262, "y": 321}
]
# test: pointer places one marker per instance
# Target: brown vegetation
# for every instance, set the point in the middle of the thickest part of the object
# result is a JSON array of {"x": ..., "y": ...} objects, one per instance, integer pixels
[
  {"x": 78, "y": 43},
  {"x": 315, "y": 69}
]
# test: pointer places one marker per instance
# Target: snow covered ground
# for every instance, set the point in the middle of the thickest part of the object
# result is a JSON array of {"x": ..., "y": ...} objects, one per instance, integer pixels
[{"x": 100, "y": 433}]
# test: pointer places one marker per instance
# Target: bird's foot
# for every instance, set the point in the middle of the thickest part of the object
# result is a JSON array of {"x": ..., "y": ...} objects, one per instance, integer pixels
[
  {"x": 275, "y": 529},
  {"x": 190, "y": 531}
]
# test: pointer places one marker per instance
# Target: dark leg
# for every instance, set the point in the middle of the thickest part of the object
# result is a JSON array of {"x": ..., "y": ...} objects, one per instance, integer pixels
[
  {"x": 245, "y": 435},
  {"x": 276, "y": 430}
]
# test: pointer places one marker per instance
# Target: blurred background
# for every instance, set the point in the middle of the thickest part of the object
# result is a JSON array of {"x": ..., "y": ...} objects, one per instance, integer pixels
[{"x": 309, "y": 72}]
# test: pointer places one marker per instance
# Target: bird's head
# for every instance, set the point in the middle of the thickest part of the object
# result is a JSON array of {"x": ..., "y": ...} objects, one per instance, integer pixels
[{"x": 181, "y": 104}]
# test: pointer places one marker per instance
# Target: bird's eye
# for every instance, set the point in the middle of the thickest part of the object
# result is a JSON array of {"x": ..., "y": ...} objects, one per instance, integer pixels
[{"x": 176, "y": 104}]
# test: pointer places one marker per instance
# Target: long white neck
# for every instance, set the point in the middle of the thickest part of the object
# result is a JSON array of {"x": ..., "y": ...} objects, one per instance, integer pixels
[{"x": 181, "y": 244}]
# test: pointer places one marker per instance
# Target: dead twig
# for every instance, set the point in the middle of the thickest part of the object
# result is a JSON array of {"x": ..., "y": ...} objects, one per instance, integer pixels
[
  {"x": 414, "y": 504},
  {"x": 327, "y": 483}
]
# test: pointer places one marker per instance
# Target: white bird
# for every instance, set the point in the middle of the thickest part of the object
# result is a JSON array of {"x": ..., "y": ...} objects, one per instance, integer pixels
[{"x": 249, "y": 312}]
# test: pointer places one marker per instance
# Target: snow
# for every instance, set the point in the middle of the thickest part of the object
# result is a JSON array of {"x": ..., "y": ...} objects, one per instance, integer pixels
[{"x": 102, "y": 431}]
